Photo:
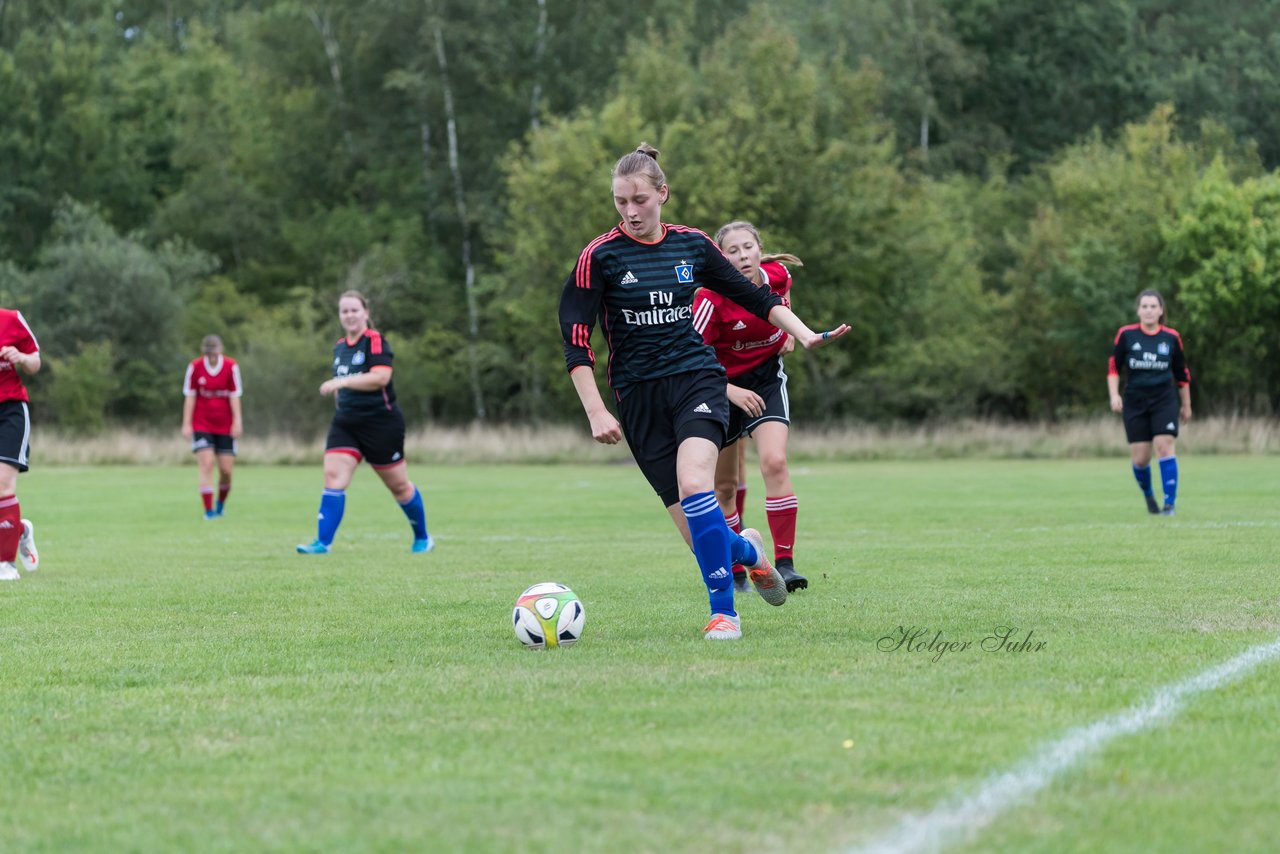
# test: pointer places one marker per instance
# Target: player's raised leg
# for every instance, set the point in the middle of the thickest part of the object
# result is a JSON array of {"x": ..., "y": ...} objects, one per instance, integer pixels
[
  {"x": 709, "y": 536},
  {"x": 726, "y": 495}
]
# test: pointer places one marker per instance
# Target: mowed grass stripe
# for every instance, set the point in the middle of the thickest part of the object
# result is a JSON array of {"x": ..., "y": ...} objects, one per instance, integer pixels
[{"x": 171, "y": 683}]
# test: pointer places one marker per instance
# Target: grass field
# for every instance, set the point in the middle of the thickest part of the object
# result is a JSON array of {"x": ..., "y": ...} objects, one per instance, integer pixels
[{"x": 170, "y": 684}]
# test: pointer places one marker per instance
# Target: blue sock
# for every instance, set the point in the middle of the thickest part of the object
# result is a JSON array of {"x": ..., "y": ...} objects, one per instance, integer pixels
[
  {"x": 416, "y": 514},
  {"x": 741, "y": 551},
  {"x": 711, "y": 542},
  {"x": 1169, "y": 477},
  {"x": 1143, "y": 477},
  {"x": 332, "y": 503}
]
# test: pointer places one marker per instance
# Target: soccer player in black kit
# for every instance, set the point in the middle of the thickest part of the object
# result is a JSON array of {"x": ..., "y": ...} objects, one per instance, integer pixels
[
  {"x": 638, "y": 280},
  {"x": 367, "y": 424},
  {"x": 1157, "y": 395}
]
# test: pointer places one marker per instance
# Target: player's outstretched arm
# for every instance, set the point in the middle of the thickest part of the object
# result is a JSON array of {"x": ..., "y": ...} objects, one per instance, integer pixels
[
  {"x": 786, "y": 320},
  {"x": 604, "y": 427}
]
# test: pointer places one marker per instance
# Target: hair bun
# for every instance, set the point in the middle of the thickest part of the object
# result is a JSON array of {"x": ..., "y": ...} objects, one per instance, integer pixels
[{"x": 646, "y": 148}]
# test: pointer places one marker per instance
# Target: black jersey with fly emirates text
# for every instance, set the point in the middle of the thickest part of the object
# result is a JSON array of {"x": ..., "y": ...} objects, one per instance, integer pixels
[
  {"x": 1151, "y": 362},
  {"x": 642, "y": 294},
  {"x": 369, "y": 351}
]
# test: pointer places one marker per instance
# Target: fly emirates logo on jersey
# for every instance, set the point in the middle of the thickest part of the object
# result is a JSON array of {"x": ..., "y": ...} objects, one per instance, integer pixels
[
  {"x": 1148, "y": 362},
  {"x": 662, "y": 312}
]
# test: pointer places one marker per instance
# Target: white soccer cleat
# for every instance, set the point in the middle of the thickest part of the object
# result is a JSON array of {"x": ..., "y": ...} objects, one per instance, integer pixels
[
  {"x": 8, "y": 572},
  {"x": 723, "y": 627},
  {"x": 769, "y": 583},
  {"x": 27, "y": 547}
]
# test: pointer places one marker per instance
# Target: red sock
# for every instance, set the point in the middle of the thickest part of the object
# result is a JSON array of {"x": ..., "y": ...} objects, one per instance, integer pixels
[
  {"x": 206, "y": 495},
  {"x": 735, "y": 525},
  {"x": 741, "y": 501},
  {"x": 10, "y": 527},
  {"x": 224, "y": 486},
  {"x": 782, "y": 523}
]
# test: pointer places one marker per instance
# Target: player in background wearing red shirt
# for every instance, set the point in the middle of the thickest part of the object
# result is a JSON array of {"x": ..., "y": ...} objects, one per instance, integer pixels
[
  {"x": 751, "y": 351},
  {"x": 211, "y": 419},
  {"x": 18, "y": 351}
]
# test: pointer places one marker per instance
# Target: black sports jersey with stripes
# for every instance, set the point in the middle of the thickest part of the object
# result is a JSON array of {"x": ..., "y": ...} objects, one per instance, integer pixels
[
  {"x": 1152, "y": 362},
  {"x": 369, "y": 351},
  {"x": 642, "y": 295}
]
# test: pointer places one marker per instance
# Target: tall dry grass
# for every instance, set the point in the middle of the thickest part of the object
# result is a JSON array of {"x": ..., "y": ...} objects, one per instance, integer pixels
[
  {"x": 1095, "y": 437},
  {"x": 1099, "y": 437}
]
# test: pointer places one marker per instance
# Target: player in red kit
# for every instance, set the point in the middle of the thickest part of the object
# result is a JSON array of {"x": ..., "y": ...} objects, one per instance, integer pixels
[
  {"x": 19, "y": 352},
  {"x": 751, "y": 350},
  {"x": 211, "y": 419}
]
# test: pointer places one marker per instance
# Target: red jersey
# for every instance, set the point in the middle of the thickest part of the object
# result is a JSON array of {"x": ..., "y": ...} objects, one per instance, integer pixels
[
  {"x": 741, "y": 340},
  {"x": 213, "y": 390},
  {"x": 14, "y": 331}
]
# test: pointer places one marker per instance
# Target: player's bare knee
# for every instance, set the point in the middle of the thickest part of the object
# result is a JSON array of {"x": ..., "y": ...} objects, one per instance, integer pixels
[
  {"x": 773, "y": 464},
  {"x": 727, "y": 494}
]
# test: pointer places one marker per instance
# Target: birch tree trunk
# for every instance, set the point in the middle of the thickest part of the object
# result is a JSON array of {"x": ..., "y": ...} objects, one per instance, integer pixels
[
  {"x": 926, "y": 83},
  {"x": 460, "y": 199},
  {"x": 539, "y": 49},
  {"x": 333, "y": 52}
]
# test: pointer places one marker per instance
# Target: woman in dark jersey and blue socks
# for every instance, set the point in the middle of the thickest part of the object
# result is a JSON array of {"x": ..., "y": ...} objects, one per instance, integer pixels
[
  {"x": 368, "y": 424},
  {"x": 1157, "y": 395},
  {"x": 638, "y": 281}
]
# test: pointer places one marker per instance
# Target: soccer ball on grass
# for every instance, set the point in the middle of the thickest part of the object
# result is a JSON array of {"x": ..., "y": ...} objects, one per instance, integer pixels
[{"x": 548, "y": 615}]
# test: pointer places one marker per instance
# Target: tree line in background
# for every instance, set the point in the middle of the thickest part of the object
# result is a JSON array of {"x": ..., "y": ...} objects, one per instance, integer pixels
[{"x": 980, "y": 188}]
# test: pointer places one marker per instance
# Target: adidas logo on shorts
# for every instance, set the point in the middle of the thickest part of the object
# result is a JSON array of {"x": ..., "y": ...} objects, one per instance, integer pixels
[
  {"x": 1169, "y": 426},
  {"x": 629, "y": 279},
  {"x": 703, "y": 408}
]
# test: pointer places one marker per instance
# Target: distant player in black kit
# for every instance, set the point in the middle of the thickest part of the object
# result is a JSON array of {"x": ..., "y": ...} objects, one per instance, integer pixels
[
  {"x": 1157, "y": 395},
  {"x": 368, "y": 424},
  {"x": 638, "y": 280}
]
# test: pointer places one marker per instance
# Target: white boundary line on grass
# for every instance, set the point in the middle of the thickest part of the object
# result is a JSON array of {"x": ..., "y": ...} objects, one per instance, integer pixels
[{"x": 959, "y": 818}]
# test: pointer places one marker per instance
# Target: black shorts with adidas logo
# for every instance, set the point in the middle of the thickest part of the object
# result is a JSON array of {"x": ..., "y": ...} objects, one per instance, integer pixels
[
  {"x": 1151, "y": 412},
  {"x": 768, "y": 380},
  {"x": 377, "y": 437},
  {"x": 15, "y": 433},
  {"x": 657, "y": 415}
]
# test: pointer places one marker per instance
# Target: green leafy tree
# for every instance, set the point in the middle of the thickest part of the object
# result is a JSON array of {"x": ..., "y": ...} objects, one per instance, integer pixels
[
  {"x": 1218, "y": 60},
  {"x": 1050, "y": 74},
  {"x": 83, "y": 387},
  {"x": 1223, "y": 252},
  {"x": 1097, "y": 241},
  {"x": 93, "y": 286}
]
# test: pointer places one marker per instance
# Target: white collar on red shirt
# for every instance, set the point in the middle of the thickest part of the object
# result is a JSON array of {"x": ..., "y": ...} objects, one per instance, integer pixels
[{"x": 210, "y": 370}]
